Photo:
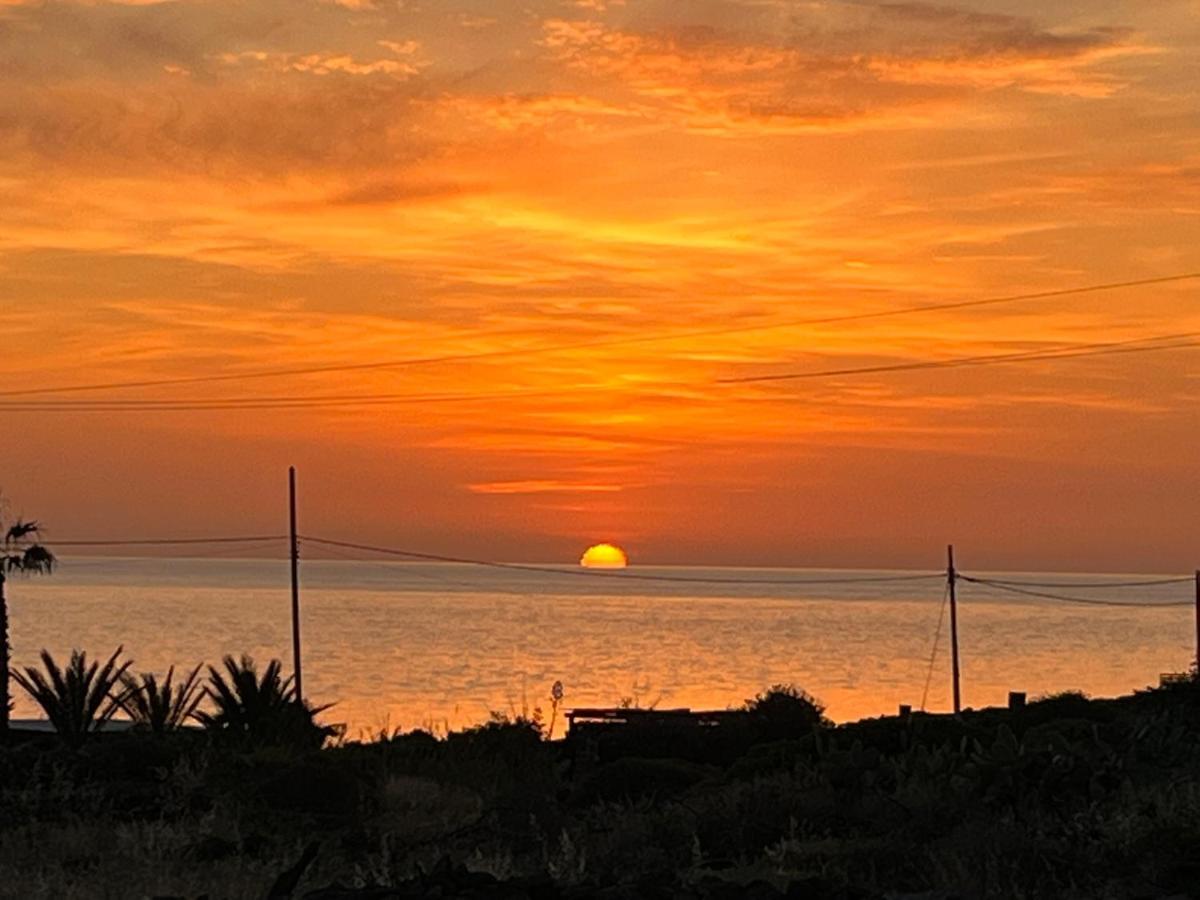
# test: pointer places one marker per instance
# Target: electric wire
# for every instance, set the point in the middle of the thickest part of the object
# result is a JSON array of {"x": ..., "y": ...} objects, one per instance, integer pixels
[
  {"x": 611, "y": 575},
  {"x": 414, "y": 569},
  {"x": 937, "y": 639},
  {"x": 1109, "y": 348},
  {"x": 1010, "y": 585},
  {"x": 1160, "y": 582},
  {"x": 1087, "y": 601},
  {"x": 1134, "y": 345},
  {"x": 601, "y": 342},
  {"x": 165, "y": 542},
  {"x": 270, "y": 402},
  {"x": 230, "y": 553}
]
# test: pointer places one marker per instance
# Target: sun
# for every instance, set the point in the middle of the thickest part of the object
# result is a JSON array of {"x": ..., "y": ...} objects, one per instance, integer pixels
[{"x": 604, "y": 556}]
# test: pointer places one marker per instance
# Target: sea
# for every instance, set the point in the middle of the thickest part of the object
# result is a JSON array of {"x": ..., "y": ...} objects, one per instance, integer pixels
[{"x": 395, "y": 645}]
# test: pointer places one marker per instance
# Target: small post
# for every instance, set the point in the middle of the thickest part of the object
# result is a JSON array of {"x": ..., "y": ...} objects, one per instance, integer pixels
[
  {"x": 295, "y": 554},
  {"x": 952, "y": 581},
  {"x": 1016, "y": 701},
  {"x": 1198, "y": 623},
  {"x": 905, "y": 711},
  {"x": 5, "y": 655}
]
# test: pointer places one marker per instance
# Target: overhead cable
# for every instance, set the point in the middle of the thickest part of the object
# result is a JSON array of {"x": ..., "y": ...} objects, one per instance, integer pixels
[
  {"x": 165, "y": 542},
  {"x": 1134, "y": 345},
  {"x": 612, "y": 575},
  {"x": 1160, "y": 582},
  {"x": 937, "y": 639},
  {"x": 1088, "y": 601},
  {"x": 599, "y": 342},
  {"x": 1152, "y": 344}
]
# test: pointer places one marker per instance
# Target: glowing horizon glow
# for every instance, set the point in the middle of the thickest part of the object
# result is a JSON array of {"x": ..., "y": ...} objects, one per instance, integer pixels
[{"x": 604, "y": 556}]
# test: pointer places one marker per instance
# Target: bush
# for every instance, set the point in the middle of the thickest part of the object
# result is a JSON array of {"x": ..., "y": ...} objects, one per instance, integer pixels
[
  {"x": 784, "y": 711},
  {"x": 633, "y": 779},
  {"x": 254, "y": 711},
  {"x": 160, "y": 706},
  {"x": 79, "y": 699}
]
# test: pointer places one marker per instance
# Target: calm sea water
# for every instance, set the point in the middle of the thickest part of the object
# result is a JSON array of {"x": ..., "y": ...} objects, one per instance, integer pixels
[{"x": 421, "y": 645}]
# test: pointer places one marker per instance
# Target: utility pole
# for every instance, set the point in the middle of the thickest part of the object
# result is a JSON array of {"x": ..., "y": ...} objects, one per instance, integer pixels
[
  {"x": 295, "y": 554},
  {"x": 952, "y": 582}
]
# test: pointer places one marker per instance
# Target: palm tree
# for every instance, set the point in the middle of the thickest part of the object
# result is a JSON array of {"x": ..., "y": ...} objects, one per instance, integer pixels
[
  {"x": 160, "y": 706},
  {"x": 79, "y": 699},
  {"x": 21, "y": 554},
  {"x": 255, "y": 710}
]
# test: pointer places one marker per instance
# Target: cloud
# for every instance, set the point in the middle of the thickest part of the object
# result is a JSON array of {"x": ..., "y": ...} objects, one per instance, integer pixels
[
  {"x": 542, "y": 487},
  {"x": 393, "y": 192},
  {"x": 326, "y": 64},
  {"x": 845, "y": 66},
  {"x": 240, "y": 86}
]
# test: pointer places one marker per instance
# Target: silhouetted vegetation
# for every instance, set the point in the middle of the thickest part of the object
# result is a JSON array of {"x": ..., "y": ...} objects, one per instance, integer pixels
[
  {"x": 259, "y": 710},
  {"x": 785, "y": 711},
  {"x": 160, "y": 706},
  {"x": 1068, "y": 797},
  {"x": 78, "y": 699},
  {"x": 21, "y": 554}
]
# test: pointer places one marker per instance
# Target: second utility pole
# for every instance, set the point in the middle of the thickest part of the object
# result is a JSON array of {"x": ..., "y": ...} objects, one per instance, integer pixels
[
  {"x": 952, "y": 582},
  {"x": 295, "y": 554}
]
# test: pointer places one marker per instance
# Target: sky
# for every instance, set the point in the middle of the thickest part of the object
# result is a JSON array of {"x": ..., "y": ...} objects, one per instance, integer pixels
[{"x": 610, "y": 209}]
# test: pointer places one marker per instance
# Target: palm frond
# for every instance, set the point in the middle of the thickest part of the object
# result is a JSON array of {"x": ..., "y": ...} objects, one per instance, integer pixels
[
  {"x": 161, "y": 706},
  {"x": 253, "y": 708},
  {"x": 78, "y": 699},
  {"x": 32, "y": 560},
  {"x": 19, "y": 531}
]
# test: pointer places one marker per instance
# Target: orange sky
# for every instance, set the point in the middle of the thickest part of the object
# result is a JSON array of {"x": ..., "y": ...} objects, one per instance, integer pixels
[{"x": 202, "y": 186}]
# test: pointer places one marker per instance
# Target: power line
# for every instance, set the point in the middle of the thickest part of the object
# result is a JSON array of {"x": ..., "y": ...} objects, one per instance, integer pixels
[
  {"x": 437, "y": 578},
  {"x": 165, "y": 542},
  {"x": 600, "y": 342},
  {"x": 937, "y": 639},
  {"x": 1152, "y": 344},
  {"x": 1088, "y": 601},
  {"x": 1160, "y": 582},
  {"x": 230, "y": 552},
  {"x": 268, "y": 402},
  {"x": 1079, "y": 350},
  {"x": 613, "y": 576}
]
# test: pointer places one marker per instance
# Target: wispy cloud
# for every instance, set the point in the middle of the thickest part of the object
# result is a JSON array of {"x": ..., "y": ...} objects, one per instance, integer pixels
[{"x": 542, "y": 487}]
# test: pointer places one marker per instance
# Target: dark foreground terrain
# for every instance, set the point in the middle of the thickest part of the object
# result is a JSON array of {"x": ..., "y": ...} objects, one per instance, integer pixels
[{"x": 1068, "y": 798}]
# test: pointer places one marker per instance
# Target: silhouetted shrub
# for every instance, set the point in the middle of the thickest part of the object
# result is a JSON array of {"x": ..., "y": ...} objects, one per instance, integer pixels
[
  {"x": 79, "y": 699},
  {"x": 501, "y": 736},
  {"x": 775, "y": 756},
  {"x": 632, "y": 778},
  {"x": 313, "y": 786},
  {"x": 160, "y": 707},
  {"x": 785, "y": 711},
  {"x": 254, "y": 711}
]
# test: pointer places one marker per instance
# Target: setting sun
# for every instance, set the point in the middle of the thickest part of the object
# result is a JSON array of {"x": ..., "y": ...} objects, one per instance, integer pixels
[{"x": 604, "y": 556}]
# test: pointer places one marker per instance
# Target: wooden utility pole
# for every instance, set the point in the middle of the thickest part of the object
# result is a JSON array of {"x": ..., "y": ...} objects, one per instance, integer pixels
[
  {"x": 952, "y": 582},
  {"x": 295, "y": 553}
]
